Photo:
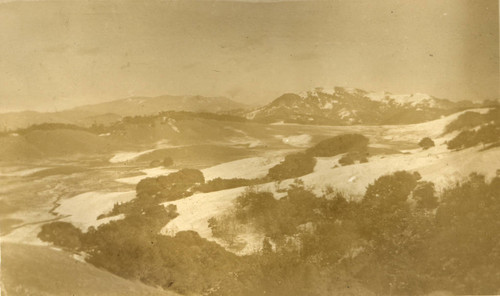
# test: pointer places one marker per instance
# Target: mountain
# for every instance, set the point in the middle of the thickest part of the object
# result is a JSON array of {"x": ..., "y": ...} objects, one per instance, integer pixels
[
  {"x": 347, "y": 106},
  {"x": 105, "y": 113},
  {"x": 152, "y": 105}
]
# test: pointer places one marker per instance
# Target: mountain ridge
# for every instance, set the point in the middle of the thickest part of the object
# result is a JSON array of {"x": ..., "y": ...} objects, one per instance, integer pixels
[
  {"x": 347, "y": 106},
  {"x": 107, "y": 112}
]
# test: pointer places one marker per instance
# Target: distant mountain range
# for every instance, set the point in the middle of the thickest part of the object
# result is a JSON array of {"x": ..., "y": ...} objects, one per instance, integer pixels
[
  {"x": 108, "y": 112},
  {"x": 347, "y": 106},
  {"x": 337, "y": 106}
]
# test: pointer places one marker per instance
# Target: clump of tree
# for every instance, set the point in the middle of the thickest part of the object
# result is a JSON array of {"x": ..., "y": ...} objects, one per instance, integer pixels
[
  {"x": 486, "y": 134},
  {"x": 470, "y": 119},
  {"x": 401, "y": 238},
  {"x": 179, "y": 115},
  {"x": 48, "y": 127},
  {"x": 166, "y": 162},
  {"x": 134, "y": 249},
  {"x": 171, "y": 187},
  {"x": 62, "y": 234},
  {"x": 466, "y": 120},
  {"x": 353, "y": 157},
  {"x": 183, "y": 115},
  {"x": 293, "y": 166},
  {"x": 338, "y": 145},
  {"x": 426, "y": 143},
  {"x": 218, "y": 184}
]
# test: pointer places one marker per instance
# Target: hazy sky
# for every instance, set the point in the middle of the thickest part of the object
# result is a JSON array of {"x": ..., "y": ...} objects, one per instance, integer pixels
[{"x": 55, "y": 55}]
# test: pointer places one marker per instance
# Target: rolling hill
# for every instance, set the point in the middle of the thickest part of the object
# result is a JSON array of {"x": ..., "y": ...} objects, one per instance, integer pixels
[{"x": 108, "y": 112}]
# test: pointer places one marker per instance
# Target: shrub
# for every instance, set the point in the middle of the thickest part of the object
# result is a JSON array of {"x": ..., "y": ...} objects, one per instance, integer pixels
[
  {"x": 170, "y": 187},
  {"x": 426, "y": 143},
  {"x": 218, "y": 184},
  {"x": 346, "y": 160},
  {"x": 465, "y": 121},
  {"x": 167, "y": 161},
  {"x": 252, "y": 204},
  {"x": 338, "y": 145},
  {"x": 352, "y": 157},
  {"x": 62, "y": 234},
  {"x": 294, "y": 165},
  {"x": 424, "y": 195},
  {"x": 486, "y": 134}
]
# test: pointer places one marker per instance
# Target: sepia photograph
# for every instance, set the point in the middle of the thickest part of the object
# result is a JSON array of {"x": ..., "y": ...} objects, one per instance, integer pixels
[{"x": 249, "y": 147}]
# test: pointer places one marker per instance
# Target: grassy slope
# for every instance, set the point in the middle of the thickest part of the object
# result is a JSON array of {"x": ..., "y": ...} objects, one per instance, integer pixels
[
  {"x": 37, "y": 270},
  {"x": 52, "y": 143}
]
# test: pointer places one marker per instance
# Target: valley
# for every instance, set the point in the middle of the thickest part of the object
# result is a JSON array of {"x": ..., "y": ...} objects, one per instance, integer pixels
[{"x": 82, "y": 186}]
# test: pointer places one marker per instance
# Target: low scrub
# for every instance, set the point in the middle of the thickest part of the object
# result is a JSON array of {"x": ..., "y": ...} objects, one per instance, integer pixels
[
  {"x": 338, "y": 145},
  {"x": 486, "y": 134},
  {"x": 293, "y": 166},
  {"x": 218, "y": 184},
  {"x": 469, "y": 120},
  {"x": 402, "y": 238}
]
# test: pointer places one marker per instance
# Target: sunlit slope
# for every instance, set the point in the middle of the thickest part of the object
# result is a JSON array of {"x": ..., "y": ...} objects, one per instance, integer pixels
[{"x": 437, "y": 164}]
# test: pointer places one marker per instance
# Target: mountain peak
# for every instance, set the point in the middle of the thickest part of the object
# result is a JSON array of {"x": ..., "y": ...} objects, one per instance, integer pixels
[{"x": 344, "y": 105}]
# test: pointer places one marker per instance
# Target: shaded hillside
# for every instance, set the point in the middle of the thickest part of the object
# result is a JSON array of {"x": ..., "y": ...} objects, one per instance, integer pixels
[
  {"x": 52, "y": 143},
  {"x": 37, "y": 270},
  {"x": 344, "y": 106}
]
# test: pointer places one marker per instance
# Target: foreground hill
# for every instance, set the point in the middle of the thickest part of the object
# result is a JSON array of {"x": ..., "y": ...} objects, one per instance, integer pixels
[
  {"x": 346, "y": 106},
  {"x": 40, "y": 270},
  {"x": 108, "y": 112}
]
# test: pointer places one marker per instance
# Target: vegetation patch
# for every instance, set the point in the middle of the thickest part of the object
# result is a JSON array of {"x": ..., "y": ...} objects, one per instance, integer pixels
[
  {"x": 426, "y": 143},
  {"x": 338, "y": 145},
  {"x": 401, "y": 238},
  {"x": 475, "y": 128},
  {"x": 294, "y": 165}
]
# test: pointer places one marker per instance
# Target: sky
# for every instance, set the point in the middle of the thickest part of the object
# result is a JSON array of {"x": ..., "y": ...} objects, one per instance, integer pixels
[{"x": 60, "y": 54}]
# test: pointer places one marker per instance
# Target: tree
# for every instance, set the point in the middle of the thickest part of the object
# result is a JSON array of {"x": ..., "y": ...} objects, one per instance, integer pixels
[
  {"x": 62, "y": 234},
  {"x": 426, "y": 143},
  {"x": 338, "y": 145},
  {"x": 424, "y": 195},
  {"x": 294, "y": 165},
  {"x": 346, "y": 160},
  {"x": 168, "y": 161}
]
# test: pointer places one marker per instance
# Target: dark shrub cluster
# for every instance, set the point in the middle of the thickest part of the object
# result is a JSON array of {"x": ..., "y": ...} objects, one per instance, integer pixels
[
  {"x": 62, "y": 234},
  {"x": 294, "y": 165},
  {"x": 338, "y": 145},
  {"x": 166, "y": 162},
  {"x": 401, "y": 238},
  {"x": 484, "y": 135},
  {"x": 469, "y": 120},
  {"x": 170, "y": 187},
  {"x": 426, "y": 143},
  {"x": 353, "y": 157},
  {"x": 218, "y": 184},
  {"x": 475, "y": 129}
]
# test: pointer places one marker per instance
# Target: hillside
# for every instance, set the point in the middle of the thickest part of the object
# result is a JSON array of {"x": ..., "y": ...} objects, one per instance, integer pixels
[
  {"x": 108, "y": 112},
  {"x": 39, "y": 144},
  {"x": 438, "y": 164},
  {"x": 40, "y": 270},
  {"x": 346, "y": 106},
  {"x": 152, "y": 105}
]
